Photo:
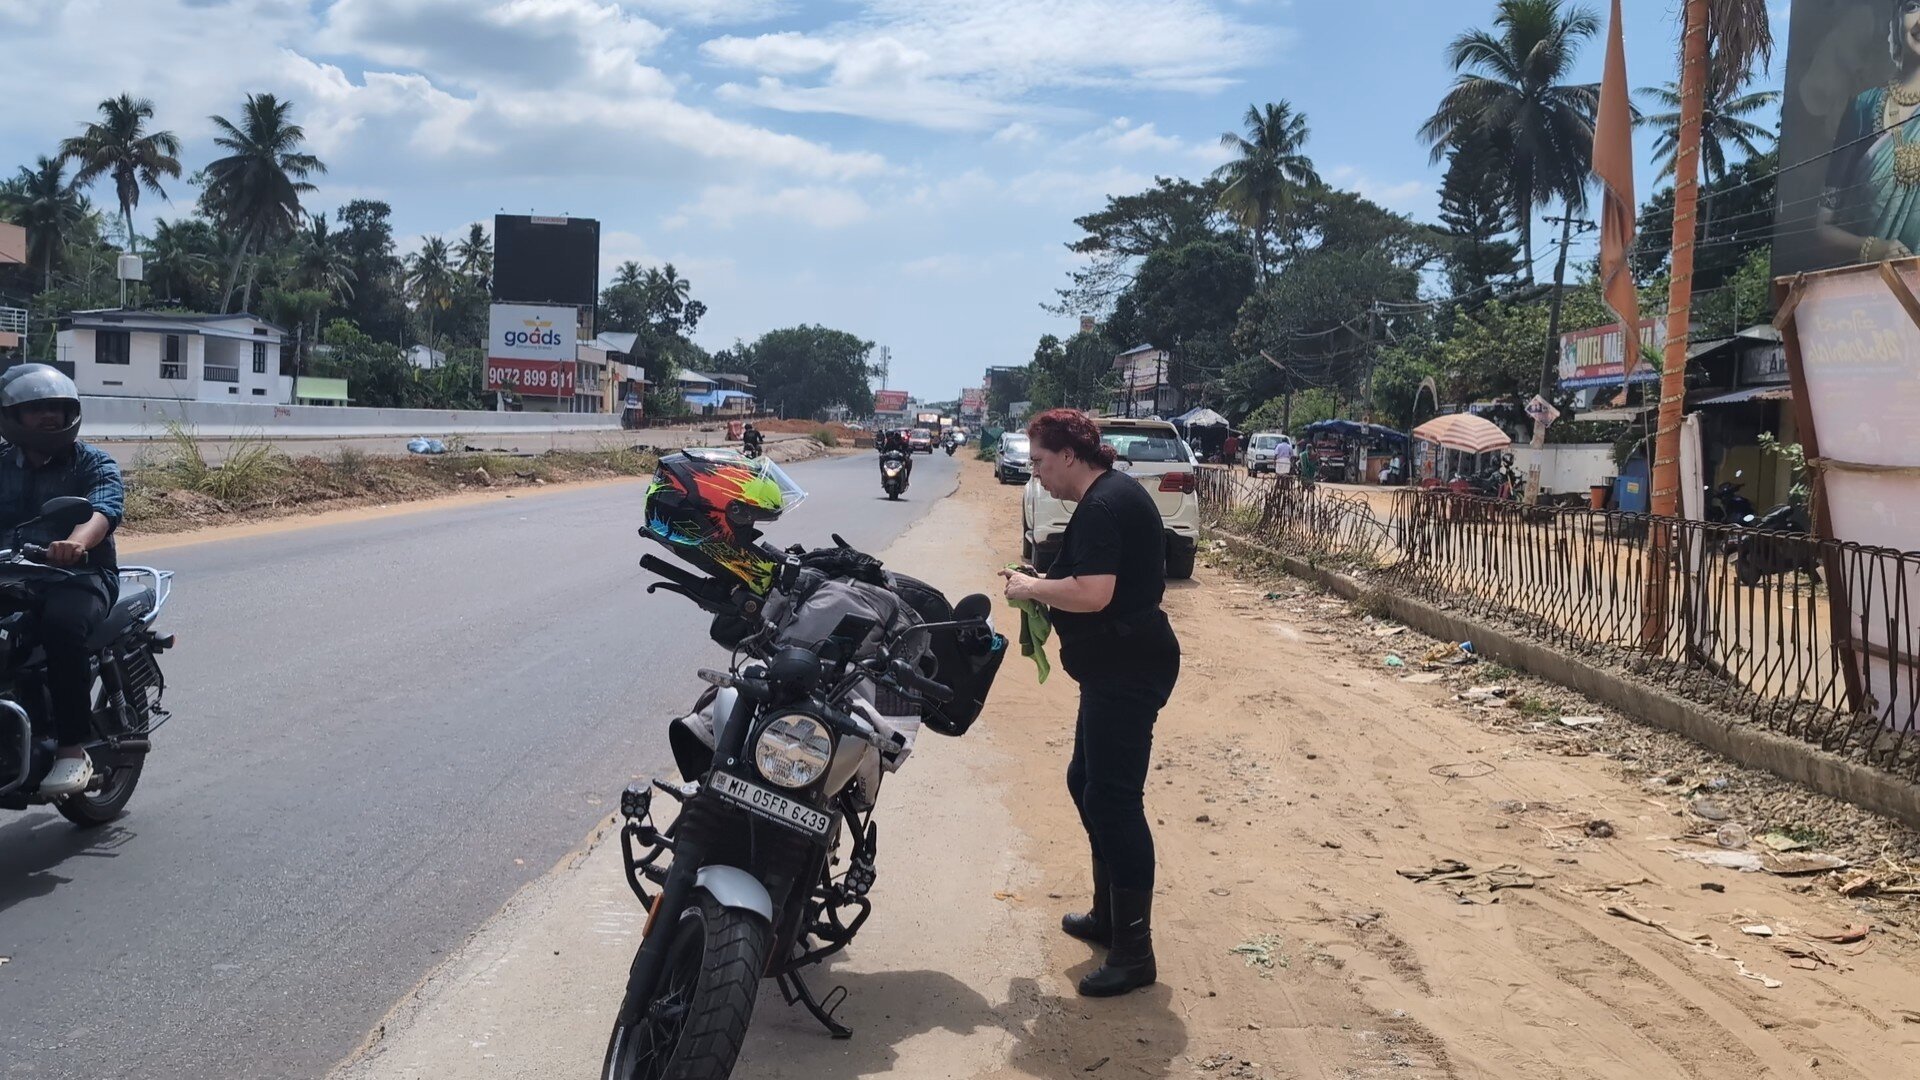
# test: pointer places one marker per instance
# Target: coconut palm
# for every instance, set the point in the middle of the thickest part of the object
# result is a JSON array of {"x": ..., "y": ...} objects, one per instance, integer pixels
[
  {"x": 120, "y": 146},
  {"x": 476, "y": 256},
  {"x": 255, "y": 190},
  {"x": 43, "y": 200},
  {"x": 179, "y": 260},
  {"x": 1723, "y": 121},
  {"x": 431, "y": 280},
  {"x": 1270, "y": 173},
  {"x": 1511, "y": 95}
]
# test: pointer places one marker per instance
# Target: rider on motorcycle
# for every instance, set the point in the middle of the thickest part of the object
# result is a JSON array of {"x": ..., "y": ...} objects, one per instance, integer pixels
[
  {"x": 42, "y": 458},
  {"x": 895, "y": 442},
  {"x": 751, "y": 441}
]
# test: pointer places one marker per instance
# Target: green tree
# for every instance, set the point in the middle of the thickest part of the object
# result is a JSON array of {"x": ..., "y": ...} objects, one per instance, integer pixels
[
  {"x": 376, "y": 305},
  {"x": 431, "y": 282},
  {"x": 42, "y": 200},
  {"x": 120, "y": 146},
  {"x": 256, "y": 188},
  {"x": 179, "y": 263},
  {"x": 1268, "y": 175},
  {"x": 1510, "y": 96},
  {"x": 1172, "y": 213},
  {"x": 1184, "y": 300},
  {"x": 1724, "y": 122},
  {"x": 803, "y": 370},
  {"x": 1476, "y": 211},
  {"x": 475, "y": 255},
  {"x": 1736, "y": 219}
]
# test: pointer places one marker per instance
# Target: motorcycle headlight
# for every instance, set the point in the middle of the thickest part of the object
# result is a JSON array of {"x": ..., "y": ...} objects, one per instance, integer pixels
[{"x": 793, "y": 750}]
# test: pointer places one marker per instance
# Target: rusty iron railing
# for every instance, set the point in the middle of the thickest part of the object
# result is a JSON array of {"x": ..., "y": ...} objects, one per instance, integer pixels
[{"x": 1815, "y": 639}]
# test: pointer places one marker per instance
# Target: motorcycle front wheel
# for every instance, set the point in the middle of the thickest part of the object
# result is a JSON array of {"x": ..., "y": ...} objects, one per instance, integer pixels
[
  {"x": 95, "y": 808},
  {"x": 692, "y": 1025}
]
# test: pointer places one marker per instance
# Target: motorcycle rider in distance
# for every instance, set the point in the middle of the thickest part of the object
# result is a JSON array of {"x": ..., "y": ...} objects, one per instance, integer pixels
[
  {"x": 42, "y": 458},
  {"x": 895, "y": 442},
  {"x": 752, "y": 443}
]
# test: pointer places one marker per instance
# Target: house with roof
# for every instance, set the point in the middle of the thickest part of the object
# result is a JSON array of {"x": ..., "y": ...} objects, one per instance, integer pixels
[
  {"x": 716, "y": 395},
  {"x": 1144, "y": 389},
  {"x": 116, "y": 352}
]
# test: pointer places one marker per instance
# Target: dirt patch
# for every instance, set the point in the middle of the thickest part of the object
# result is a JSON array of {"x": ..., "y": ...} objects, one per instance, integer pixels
[{"x": 1296, "y": 773}]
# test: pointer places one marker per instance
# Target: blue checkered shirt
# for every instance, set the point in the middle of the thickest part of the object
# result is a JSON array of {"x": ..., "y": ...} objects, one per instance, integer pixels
[{"x": 87, "y": 472}]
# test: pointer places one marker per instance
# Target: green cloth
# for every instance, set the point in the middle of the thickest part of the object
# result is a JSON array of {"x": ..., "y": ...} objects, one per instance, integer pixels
[{"x": 1036, "y": 626}]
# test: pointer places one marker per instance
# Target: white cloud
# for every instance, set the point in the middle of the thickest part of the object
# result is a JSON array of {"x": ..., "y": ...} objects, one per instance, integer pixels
[
  {"x": 725, "y": 205},
  {"x": 1018, "y": 133},
  {"x": 713, "y": 12},
  {"x": 947, "y": 66},
  {"x": 1402, "y": 195}
]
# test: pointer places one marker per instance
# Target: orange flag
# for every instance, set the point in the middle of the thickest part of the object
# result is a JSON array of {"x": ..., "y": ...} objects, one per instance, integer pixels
[{"x": 1613, "y": 164}]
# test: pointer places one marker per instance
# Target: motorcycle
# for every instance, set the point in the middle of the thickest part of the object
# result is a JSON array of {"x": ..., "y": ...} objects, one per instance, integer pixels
[
  {"x": 893, "y": 474},
  {"x": 1726, "y": 504},
  {"x": 952, "y": 445},
  {"x": 752, "y": 448},
  {"x": 1777, "y": 542},
  {"x": 780, "y": 762},
  {"x": 127, "y": 704}
]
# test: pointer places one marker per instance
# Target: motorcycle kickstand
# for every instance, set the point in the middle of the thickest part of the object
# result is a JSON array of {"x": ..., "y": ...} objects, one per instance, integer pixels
[{"x": 795, "y": 989}]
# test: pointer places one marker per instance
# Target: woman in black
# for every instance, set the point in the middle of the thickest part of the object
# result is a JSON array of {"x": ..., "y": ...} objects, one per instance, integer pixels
[{"x": 1105, "y": 589}]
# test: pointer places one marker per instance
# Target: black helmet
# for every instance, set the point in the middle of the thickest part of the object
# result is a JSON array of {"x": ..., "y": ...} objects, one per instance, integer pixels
[
  {"x": 25, "y": 384},
  {"x": 708, "y": 505}
]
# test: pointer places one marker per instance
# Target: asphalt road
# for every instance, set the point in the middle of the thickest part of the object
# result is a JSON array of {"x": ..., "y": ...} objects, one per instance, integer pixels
[
  {"x": 135, "y": 452},
  {"x": 382, "y": 730}
]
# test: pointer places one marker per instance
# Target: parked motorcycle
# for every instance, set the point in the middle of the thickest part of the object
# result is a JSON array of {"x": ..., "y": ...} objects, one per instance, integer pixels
[
  {"x": 837, "y": 665},
  {"x": 127, "y": 706},
  {"x": 893, "y": 474},
  {"x": 1726, "y": 504},
  {"x": 1777, "y": 542}
]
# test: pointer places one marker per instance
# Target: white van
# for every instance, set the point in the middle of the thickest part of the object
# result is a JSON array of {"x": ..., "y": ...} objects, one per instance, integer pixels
[{"x": 1264, "y": 454}]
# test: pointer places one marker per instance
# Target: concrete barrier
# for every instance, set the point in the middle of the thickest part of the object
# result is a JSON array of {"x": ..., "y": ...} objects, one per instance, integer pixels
[{"x": 146, "y": 418}]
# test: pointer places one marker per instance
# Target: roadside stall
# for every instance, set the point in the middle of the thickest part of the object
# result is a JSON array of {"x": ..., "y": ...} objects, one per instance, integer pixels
[
  {"x": 1205, "y": 430},
  {"x": 1350, "y": 452},
  {"x": 1450, "y": 449}
]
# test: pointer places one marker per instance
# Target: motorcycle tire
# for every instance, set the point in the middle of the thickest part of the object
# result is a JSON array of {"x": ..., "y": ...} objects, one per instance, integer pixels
[
  {"x": 1746, "y": 572},
  {"x": 710, "y": 980},
  {"x": 893, "y": 496},
  {"x": 90, "y": 810}
]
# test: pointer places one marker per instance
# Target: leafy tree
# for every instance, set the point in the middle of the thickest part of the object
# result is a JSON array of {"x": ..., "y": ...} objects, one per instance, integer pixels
[
  {"x": 1511, "y": 97},
  {"x": 1723, "y": 123},
  {"x": 367, "y": 238},
  {"x": 1736, "y": 219},
  {"x": 1268, "y": 175},
  {"x": 120, "y": 146},
  {"x": 256, "y": 188},
  {"x": 180, "y": 264},
  {"x": 1173, "y": 213},
  {"x": 431, "y": 282},
  {"x": 1011, "y": 384},
  {"x": 42, "y": 200},
  {"x": 803, "y": 370},
  {"x": 475, "y": 255},
  {"x": 1185, "y": 300},
  {"x": 1476, "y": 210}
]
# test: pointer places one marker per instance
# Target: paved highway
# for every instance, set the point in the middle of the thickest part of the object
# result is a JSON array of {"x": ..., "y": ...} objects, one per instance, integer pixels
[{"x": 382, "y": 730}]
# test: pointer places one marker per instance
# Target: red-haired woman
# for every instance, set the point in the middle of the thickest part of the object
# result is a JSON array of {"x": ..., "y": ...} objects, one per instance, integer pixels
[{"x": 1105, "y": 589}]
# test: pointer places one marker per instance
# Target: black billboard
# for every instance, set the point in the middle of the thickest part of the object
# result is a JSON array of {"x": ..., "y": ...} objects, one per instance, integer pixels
[
  {"x": 1851, "y": 189},
  {"x": 546, "y": 260}
]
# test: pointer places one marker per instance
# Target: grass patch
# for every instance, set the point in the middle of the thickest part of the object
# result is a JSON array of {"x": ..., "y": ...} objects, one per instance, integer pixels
[
  {"x": 826, "y": 437},
  {"x": 1374, "y": 602}
]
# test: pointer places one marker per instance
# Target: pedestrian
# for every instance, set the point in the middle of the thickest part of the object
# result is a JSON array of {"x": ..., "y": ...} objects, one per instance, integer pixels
[
  {"x": 1283, "y": 457},
  {"x": 1230, "y": 450},
  {"x": 1104, "y": 589}
]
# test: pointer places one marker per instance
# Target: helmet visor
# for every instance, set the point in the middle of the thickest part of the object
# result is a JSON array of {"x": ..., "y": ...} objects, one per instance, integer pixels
[{"x": 769, "y": 489}]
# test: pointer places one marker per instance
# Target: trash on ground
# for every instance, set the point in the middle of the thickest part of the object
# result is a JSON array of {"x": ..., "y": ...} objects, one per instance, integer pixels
[
  {"x": 1582, "y": 721},
  {"x": 1699, "y": 942},
  {"x": 1463, "y": 770},
  {"x": 1424, "y": 679},
  {"x": 1599, "y": 829},
  {"x": 1732, "y": 836},
  {"x": 1710, "y": 810},
  {"x": 1394, "y": 661},
  {"x": 1747, "y": 862},
  {"x": 1262, "y": 952},
  {"x": 1780, "y": 841},
  {"x": 1852, "y": 933},
  {"x": 1758, "y": 930},
  {"x": 1448, "y": 867},
  {"x": 1794, "y": 863},
  {"x": 423, "y": 445},
  {"x": 1389, "y": 631}
]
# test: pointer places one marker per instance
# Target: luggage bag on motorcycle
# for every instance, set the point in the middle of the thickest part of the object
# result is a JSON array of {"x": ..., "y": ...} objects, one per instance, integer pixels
[{"x": 966, "y": 662}]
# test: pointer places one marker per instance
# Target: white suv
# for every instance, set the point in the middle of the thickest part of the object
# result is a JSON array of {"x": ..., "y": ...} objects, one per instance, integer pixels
[
  {"x": 1263, "y": 453},
  {"x": 1152, "y": 452}
]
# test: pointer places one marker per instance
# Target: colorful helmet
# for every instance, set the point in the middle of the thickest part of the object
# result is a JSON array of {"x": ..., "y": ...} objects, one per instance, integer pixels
[{"x": 708, "y": 505}]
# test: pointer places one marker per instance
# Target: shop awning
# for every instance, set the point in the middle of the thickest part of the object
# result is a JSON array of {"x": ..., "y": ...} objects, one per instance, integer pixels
[{"x": 1773, "y": 392}]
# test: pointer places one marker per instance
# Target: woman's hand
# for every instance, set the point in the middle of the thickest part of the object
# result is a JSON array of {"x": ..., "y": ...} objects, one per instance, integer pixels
[{"x": 1019, "y": 586}]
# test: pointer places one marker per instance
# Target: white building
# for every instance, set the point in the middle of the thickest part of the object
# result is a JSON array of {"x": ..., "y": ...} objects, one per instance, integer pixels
[{"x": 151, "y": 354}]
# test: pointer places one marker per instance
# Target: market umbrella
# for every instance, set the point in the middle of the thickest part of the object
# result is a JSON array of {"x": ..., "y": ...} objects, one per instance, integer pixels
[
  {"x": 1201, "y": 418},
  {"x": 1464, "y": 432}
]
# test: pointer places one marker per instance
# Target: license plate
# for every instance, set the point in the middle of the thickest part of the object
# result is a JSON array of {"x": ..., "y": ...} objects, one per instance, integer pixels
[{"x": 770, "y": 805}]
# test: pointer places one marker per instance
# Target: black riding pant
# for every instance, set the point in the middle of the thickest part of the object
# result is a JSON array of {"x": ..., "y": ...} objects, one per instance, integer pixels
[
  {"x": 69, "y": 614},
  {"x": 1121, "y": 696}
]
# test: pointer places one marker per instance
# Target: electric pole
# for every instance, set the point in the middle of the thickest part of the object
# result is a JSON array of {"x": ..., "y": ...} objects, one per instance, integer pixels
[{"x": 1551, "y": 368}]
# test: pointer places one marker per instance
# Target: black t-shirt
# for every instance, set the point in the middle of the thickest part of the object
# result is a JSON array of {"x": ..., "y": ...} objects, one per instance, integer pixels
[{"x": 1115, "y": 530}]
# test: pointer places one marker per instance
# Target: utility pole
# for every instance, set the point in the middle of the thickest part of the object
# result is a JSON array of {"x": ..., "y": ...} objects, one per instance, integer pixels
[
  {"x": 1550, "y": 366},
  {"x": 1373, "y": 356},
  {"x": 886, "y": 364}
]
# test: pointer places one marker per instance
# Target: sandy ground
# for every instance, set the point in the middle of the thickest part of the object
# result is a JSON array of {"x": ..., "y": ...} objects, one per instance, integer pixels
[{"x": 1292, "y": 787}]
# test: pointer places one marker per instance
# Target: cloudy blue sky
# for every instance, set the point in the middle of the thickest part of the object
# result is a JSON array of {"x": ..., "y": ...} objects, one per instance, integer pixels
[{"x": 904, "y": 169}]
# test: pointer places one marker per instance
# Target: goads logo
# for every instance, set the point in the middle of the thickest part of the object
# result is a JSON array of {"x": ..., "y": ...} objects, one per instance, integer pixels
[{"x": 537, "y": 332}]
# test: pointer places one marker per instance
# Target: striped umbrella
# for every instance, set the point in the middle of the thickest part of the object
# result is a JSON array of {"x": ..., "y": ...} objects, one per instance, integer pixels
[{"x": 1464, "y": 432}]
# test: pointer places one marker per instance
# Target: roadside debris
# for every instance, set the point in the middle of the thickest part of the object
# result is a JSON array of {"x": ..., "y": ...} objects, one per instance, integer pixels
[
  {"x": 1699, "y": 942},
  {"x": 1262, "y": 952}
]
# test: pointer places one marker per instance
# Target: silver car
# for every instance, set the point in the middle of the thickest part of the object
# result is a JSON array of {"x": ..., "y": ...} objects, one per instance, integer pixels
[{"x": 1013, "y": 464}]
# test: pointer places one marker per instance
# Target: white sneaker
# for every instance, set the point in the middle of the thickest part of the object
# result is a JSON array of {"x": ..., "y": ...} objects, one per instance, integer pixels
[{"x": 68, "y": 775}]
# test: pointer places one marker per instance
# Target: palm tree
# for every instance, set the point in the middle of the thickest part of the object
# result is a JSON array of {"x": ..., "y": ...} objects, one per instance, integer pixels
[
  {"x": 1510, "y": 96},
  {"x": 256, "y": 188},
  {"x": 1271, "y": 172},
  {"x": 119, "y": 146},
  {"x": 476, "y": 256},
  {"x": 322, "y": 264},
  {"x": 1723, "y": 121},
  {"x": 177, "y": 260},
  {"x": 42, "y": 200},
  {"x": 431, "y": 279}
]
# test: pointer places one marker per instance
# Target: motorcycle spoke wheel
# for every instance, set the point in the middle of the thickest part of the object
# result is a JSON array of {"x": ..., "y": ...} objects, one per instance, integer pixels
[{"x": 645, "y": 1047}]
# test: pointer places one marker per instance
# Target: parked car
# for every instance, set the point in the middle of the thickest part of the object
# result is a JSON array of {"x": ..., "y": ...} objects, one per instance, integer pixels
[
  {"x": 1011, "y": 464},
  {"x": 1152, "y": 452},
  {"x": 920, "y": 441},
  {"x": 1262, "y": 452}
]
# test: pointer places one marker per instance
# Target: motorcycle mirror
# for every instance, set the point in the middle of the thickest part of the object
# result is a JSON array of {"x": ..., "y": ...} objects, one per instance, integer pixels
[
  {"x": 67, "y": 511},
  {"x": 973, "y": 606}
]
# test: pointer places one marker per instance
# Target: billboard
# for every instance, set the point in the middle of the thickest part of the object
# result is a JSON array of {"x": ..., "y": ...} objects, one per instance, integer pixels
[
  {"x": 890, "y": 401},
  {"x": 1853, "y": 69},
  {"x": 546, "y": 260},
  {"x": 1597, "y": 357},
  {"x": 531, "y": 349},
  {"x": 973, "y": 401}
]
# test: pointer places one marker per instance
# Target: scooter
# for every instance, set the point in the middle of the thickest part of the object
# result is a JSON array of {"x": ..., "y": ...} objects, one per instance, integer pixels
[
  {"x": 1777, "y": 542},
  {"x": 1726, "y": 504},
  {"x": 893, "y": 474}
]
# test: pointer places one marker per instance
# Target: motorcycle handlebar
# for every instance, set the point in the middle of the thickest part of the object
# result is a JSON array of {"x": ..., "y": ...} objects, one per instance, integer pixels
[{"x": 904, "y": 673}]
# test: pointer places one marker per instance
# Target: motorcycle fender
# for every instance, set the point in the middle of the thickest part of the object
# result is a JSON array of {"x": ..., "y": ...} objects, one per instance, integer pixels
[{"x": 732, "y": 887}]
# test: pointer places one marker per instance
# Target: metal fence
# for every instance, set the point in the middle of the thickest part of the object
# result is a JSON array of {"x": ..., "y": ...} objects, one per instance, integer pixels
[{"x": 1818, "y": 640}]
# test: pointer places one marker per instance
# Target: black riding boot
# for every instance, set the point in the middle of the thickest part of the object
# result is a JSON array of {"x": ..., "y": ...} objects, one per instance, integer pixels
[
  {"x": 1129, "y": 963},
  {"x": 1096, "y": 926}
]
